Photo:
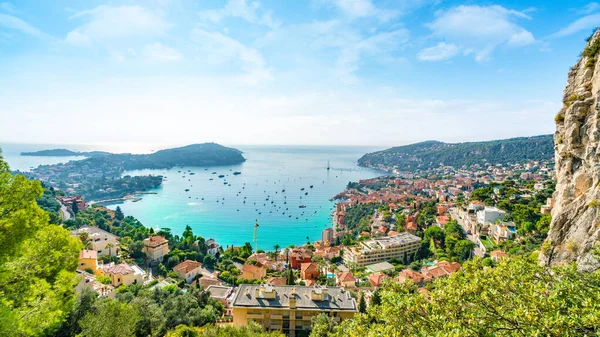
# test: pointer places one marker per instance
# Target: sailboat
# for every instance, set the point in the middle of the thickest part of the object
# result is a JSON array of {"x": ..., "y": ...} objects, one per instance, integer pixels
[{"x": 328, "y": 166}]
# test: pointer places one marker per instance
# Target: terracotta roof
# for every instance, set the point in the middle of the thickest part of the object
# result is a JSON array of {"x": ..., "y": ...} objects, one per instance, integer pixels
[
  {"x": 250, "y": 268},
  {"x": 208, "y": 281},
  {"x": 277, "y": 281},
  {"x": 346, "y": 277},
  {"x": 122, "y": 269},
  {"x": 376, "y": 279},
  {"x": 499, "y": 254},
  {"x": 409, "y": 274},
  {"x": 309, "y": 266},
  {"x": 155, "y": 241},
  {"x": 392, "y": 233},
  {"x": 88, "y": 254},
  {"x": 187, "y": 266}
]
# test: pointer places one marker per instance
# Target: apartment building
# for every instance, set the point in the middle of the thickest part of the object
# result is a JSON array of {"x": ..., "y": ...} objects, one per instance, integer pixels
[
  {"x": 101, "y": 241},
  {"x": 290, "y": 308},
  {"x": 400, "y": 246}
]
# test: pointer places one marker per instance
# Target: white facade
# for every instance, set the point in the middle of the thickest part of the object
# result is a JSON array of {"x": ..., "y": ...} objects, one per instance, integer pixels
[{"x": 489, "y": 215}]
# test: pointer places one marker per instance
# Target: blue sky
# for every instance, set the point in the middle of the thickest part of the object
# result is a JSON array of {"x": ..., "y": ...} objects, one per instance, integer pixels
[{"x": 285, "y": 72}]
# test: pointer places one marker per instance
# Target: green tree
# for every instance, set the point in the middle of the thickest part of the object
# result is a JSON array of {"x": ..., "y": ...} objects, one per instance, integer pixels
[
  {"x": 362, "y": 304},
  {"x": 518, "y": 297},
  {"x": 463, "y": 249},
  {"x": 276, "y": 247},
  {"x": 119, "y": 213},
  {"x": 74, "y": 208},
  {"x": 291, "y": 279},
  {"x": 37, "y": 261},
  {"x": 435, "y": 233},
  {"x": 376, "y": 299},
  {"x": 322, "y": 325},
  {"x": 110, "y": 318}
]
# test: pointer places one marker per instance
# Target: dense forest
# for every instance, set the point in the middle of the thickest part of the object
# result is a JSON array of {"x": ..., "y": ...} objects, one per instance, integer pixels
[{"x": 432, "y": 154}]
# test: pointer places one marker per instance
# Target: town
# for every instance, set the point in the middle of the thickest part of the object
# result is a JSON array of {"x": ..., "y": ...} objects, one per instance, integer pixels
[{"x": 409, "y": 227}]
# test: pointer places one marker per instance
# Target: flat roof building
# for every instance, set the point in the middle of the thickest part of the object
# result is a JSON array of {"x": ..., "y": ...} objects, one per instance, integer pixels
[
  {"x": 290, "y": 308},
  {"x": 401, "y": 246}
]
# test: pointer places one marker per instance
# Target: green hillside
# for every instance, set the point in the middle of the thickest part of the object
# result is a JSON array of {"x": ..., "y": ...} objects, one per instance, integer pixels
[{"x": 432, "y": 154}]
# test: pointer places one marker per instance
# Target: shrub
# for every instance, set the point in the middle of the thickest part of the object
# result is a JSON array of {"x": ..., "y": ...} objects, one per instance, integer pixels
[
  {"x": 559, "y": 118},
  {"x": 545, "y": 248}
]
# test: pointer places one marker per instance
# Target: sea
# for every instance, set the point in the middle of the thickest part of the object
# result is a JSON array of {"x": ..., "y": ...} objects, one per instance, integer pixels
[{"x": 287, "y": 190}]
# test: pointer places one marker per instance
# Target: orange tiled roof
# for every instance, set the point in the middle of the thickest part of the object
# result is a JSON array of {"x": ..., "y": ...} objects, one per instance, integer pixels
[{"x": 186, "y": 266}]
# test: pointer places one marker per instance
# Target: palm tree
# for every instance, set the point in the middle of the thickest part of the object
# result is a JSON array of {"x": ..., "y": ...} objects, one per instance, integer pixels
[
  {"x": 307, "y": 240},
  {"x": 110, "y": 246},
  {"x": 276, "y": 247}
]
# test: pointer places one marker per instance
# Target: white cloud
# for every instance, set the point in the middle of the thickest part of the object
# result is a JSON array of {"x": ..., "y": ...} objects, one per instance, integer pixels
[
  {"x": 440, "y": 52},
  {"x": 480, "y": 29},
  {"x": 360, "y": 9},
  {"x": 14, "y": 23},
  {"x": 243, "y": 9},
  {"x": 380, "y": 47},
  {"x": 587, "y": 22},
  {"x": 157, "y": 52},
  {"x": 109, "y": 24},
  {"x": 220, "y": 48},
  {"x": 589, "y": 8},
  {"x": 8, "y": 7}
]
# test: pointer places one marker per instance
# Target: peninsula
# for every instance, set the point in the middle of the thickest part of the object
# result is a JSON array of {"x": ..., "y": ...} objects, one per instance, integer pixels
[{"x": 100, "y": 177}]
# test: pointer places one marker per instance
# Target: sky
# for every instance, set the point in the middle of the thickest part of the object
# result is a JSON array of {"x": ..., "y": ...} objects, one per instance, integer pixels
[{"x": 314, "y": 72}]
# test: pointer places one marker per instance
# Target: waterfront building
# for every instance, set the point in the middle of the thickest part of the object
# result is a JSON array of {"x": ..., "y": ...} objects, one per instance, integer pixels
[
  {"x": 290, "y": 309},
  {"x": 401, "y": 246},
  {"x": 327, "y": 235}
]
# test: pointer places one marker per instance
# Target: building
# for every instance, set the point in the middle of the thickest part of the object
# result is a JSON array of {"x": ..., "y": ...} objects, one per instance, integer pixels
[
  {"x": 309, "y": 271},
  {"x": 377, "y": 279},
  {"x": 401, "y": 246},
  {"x": 409, "y": 274},
  {"x": 327, "y": 235},
  {"x": 299, "y": 255},
  {"x": 489, "y": 215},
  {"x": 88, "y": 259},
  {"x": 212, "y": 247},
  {"x": 124, "y": 274},
  {"x": 346, "y": 280},
  {"x": 498, "y": 255},
  {"x": 503, "y": 232},
  {"x": 276, "y": 281},
  {"x": 253, "y": 272},
  {"x": 103, "y": 242},
  {"x": 222, "y": 294},
  {"x": 290, "y": 309},
  {"x": 188, "y": 269},
  {"x": 156, "y": 247},
  {"x": 440, "y": 269}
]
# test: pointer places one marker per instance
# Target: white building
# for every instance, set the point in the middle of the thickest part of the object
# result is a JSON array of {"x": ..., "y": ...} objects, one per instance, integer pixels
[
  {"x": 103, "y": 242},
  {"x": 489, "y": 215}
]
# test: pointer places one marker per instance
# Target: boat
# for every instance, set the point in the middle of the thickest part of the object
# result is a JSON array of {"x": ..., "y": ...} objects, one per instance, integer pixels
[
  {"x": 236, "y": 173},
  {"x": 192, "y": 173},
  {"x": 328, "y": 166},
  {"x": 302, "y": 189},
  {"x": 211, "y": 179},
  {"x": 283, "y": 190},
  {"x": 306, "y": 193},
  {"x": 302, "y": 206},
  {"x": 311, "y": 186},
  {"x": 214, "y": 173},
  {"x": 187, "y": 189},
  {"x": 221, "y": 176}
]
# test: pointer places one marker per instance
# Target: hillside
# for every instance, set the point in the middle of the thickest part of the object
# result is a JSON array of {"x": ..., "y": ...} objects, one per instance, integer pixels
[
  {"x": 63, "y": 153},
  {"x": 431, "y": 154}
]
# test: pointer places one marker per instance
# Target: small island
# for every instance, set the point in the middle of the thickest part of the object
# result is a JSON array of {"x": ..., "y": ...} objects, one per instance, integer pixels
[{"x": 99, "y": 176}]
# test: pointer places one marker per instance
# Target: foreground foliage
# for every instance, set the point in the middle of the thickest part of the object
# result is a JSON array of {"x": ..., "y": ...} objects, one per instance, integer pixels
[
  {"x": 37, "y": 261},
  {"x": 516, "y": 298}
]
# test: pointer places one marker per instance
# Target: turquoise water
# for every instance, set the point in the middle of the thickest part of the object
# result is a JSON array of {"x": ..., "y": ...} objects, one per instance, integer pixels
[{"x": 223, "y": 214}]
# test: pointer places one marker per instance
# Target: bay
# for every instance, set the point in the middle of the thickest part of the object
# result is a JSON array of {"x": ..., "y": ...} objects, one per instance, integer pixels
[{"x": 227, "y": 208}]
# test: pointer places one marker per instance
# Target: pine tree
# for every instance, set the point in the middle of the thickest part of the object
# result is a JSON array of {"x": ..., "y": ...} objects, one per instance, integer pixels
[
  {"x": 291, "y": 280},
  {"x": 74, "y": 207},
  {"x": 376, "y": 299},
  {"x": 119, "y": 214},
  {"x": 362, "y": 304}
]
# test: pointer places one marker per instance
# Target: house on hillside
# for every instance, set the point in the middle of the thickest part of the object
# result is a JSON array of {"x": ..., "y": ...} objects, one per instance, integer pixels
[
  {"x": 309, "y": 271},
  {"x": 253, "y": 272},
  {"x": 156, "y": 247},
  {"x": 188, "y": 269}
]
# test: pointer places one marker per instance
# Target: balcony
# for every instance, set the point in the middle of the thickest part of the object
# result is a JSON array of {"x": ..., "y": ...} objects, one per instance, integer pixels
[
  {"x": 276, "y": 316},
  {"x": 276, "y": 327},
  {"x": 255, "y": 315}
]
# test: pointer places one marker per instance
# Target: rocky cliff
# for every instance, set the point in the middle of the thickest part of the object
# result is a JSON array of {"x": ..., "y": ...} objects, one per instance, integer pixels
[{"x": 575, "y": 228}]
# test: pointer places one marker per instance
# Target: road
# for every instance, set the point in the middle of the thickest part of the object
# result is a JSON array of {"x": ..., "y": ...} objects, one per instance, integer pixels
[
  {"x": 65, "y": 213},
  {"x": 461, "y": 218}
]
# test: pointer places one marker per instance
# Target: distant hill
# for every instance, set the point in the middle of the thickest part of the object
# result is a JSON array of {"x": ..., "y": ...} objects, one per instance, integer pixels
[
  {"x": 192, "y": 155},
  {"x": 63, "y": 153},
  {"x": 432, "y": 154}
]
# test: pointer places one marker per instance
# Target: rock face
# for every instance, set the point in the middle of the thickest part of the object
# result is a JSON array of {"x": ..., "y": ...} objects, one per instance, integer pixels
[{"x": 575, "y": 228}]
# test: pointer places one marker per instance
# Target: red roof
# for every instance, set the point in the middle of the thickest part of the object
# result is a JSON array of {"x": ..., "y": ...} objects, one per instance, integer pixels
[{"x": 187, "y": 266}]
